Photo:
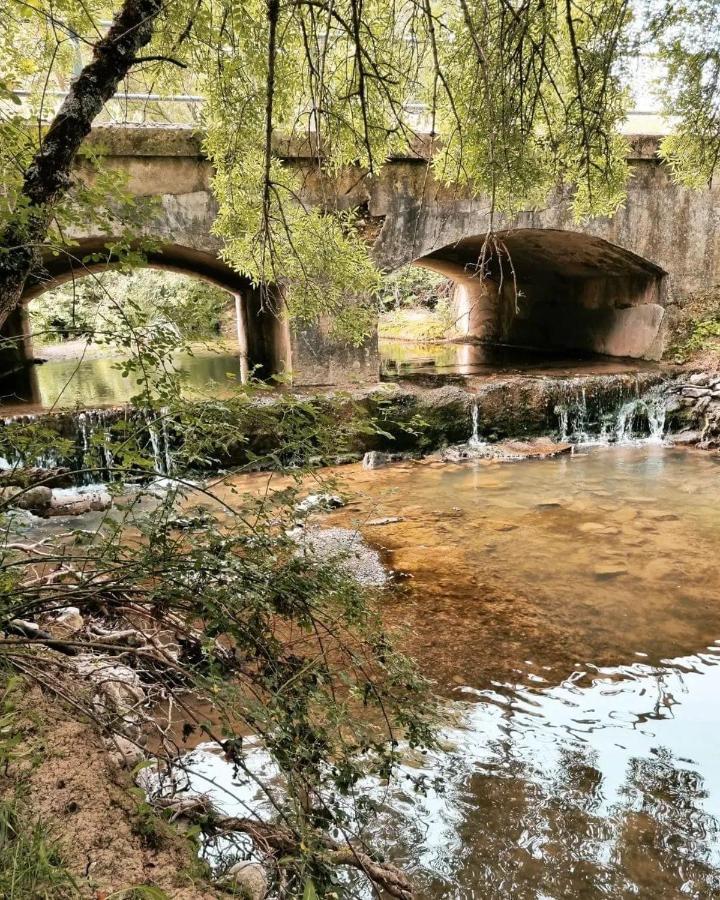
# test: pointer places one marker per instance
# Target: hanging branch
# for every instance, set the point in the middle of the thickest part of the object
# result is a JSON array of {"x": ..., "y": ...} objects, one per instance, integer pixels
[{"x": 47, "y": 179}]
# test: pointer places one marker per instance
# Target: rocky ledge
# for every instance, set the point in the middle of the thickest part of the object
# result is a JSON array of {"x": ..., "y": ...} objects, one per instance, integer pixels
[{"x": 693, "y": 410}]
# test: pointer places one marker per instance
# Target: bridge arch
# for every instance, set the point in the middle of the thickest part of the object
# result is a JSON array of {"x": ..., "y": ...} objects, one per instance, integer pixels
[
  {"x": 552, "y": 289},
  {"x": 262, "y": 331}
]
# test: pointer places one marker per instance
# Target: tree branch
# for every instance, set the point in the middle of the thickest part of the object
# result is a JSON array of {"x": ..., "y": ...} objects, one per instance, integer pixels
[
  {"x": 284, "y": 841},
  {"x": 47, "y": 179}
]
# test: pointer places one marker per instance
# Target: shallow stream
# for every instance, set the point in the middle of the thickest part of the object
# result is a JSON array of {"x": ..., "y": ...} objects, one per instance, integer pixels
[{"x": 568, "y": 610}]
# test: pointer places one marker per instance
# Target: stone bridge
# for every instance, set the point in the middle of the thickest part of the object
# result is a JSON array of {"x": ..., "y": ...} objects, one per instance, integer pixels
[{"x": 608, "y": 286}]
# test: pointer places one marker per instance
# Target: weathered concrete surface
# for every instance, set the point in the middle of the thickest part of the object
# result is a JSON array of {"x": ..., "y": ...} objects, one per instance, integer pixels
[
  {"x": 607, "y": 285},
  {"x": 390, "y": 418}
]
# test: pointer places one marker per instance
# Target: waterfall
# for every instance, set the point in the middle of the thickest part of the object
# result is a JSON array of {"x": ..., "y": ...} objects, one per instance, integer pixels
[
  {"x": 561, "y": 411},
  {"x": 643, "y": 418},
  {"x": 657, "y": 415},
  {"x": 94, "y": 445},
  {"x": 628, "y": 420},
  {"x": 573, "y": 419},
  {"x": 475, "y": 439},
  {"x": 160, "y": 441},
  {"x": 86, "y": 442}
]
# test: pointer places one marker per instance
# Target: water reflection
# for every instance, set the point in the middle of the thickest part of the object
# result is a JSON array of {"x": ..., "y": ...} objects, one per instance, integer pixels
[
  {"x": 88, "y": 382},
  {"x": 607, "y": 787},
  {"x": 69, "y": 383},
  {"x": 403, "y": 359},
  {"x": 564, "y": 608}
]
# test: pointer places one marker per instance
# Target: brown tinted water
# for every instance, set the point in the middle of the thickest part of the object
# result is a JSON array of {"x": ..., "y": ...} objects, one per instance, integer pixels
[
  {"x": 587, "y": 558},
  {"x": 569, "y": 611}
]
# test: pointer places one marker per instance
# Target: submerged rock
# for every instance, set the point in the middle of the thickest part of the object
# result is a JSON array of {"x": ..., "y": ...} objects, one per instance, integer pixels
[
  {"x": 385, "y": 520},
  {"x": 347, "y": 549},
  {"x": 508, "y": 451},
  {"x": 609, "y": 570}
]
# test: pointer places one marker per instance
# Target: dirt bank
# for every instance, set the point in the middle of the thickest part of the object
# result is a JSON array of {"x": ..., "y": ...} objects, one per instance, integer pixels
[{"x": 109, "y": 840}]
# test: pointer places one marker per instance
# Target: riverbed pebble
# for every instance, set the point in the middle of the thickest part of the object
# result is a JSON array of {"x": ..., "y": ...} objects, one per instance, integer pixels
[{"x": 345, "y": 547}]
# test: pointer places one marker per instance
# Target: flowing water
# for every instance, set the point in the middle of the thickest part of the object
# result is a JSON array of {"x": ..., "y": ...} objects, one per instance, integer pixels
[{"x": 568, "y": 610}]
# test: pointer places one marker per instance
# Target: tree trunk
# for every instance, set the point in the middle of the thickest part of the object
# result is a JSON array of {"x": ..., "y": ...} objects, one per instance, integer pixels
[{"x": 47, "y": 179}]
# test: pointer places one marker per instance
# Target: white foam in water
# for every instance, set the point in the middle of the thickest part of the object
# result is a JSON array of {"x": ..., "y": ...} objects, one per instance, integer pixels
[
  {"x": 160, "y": 442},
  {"x": 475, "y": 439},
  {"x": 639, "y": 420}
]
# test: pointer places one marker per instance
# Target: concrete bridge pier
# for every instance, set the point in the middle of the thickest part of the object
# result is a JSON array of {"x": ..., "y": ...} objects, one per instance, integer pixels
[
  {"x": 306, "y": 353},
  {"x": 18, "y": 380}
]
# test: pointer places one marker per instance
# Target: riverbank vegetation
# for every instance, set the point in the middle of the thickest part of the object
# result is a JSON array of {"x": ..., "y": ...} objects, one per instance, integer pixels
[
  {"x": 415, "y": 304},
  {"x": 98, "y": 308},
  {"x": 190, "y": 615}
]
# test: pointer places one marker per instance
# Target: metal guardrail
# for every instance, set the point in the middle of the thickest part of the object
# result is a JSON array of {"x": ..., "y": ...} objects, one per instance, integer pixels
[
  {"x": 412, "y": 107},
  {"x": 167, "y": 98}
]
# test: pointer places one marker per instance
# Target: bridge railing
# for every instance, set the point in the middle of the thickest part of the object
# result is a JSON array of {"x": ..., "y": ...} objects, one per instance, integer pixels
[{"x": 135, "y": 108}]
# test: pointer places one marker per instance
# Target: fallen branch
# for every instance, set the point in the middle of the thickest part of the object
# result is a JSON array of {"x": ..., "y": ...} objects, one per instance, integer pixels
[{"x": 267, "y": 836}]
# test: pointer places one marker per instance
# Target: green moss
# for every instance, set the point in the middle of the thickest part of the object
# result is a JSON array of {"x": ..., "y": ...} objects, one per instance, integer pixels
[{"x": 703, "y": 337}]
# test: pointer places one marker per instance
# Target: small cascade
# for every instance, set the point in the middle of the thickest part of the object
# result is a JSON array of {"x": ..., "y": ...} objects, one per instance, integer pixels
[
  {"x": 94, "y": 443},
  {"x": 629, "y": 419},
  {"x": 160, "y": 441},
  {"x": 94, "y": 459},
  {"x": 573, "y": 419},
  {"x": 475, "y": 440},
  {"x": 641, "y": 419}
]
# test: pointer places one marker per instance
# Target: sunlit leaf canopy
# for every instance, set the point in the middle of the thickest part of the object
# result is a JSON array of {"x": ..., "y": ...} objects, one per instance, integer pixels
[{"x": 518, "y": 96}]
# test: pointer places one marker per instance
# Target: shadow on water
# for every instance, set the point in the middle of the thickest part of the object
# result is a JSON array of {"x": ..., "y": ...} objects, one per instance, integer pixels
[{"x": 403, "y": 359}]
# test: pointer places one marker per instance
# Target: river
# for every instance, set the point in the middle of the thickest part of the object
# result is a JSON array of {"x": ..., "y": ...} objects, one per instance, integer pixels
[
  {"x": 78, "y": 376},
  {"x": 567, "y": 609},
  {"x": 567, "y": 612}
]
